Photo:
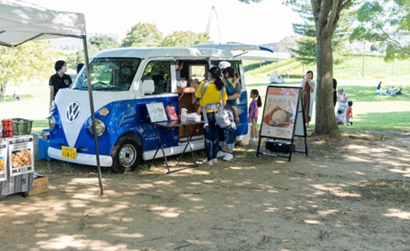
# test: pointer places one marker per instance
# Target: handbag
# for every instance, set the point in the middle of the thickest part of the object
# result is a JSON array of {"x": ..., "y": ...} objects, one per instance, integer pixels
[{"x": 223, "y": 117}]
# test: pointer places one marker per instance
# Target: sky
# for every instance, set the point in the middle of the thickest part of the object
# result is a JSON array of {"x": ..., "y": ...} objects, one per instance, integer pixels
[{"x": 255, "y": 23}]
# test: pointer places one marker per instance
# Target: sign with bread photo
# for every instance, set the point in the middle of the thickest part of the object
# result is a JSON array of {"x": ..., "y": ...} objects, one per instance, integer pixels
[
  {"x": 21, "y": 156},
  {"x": 3, "y": 160},
  {"x": 279, "y": 112}
]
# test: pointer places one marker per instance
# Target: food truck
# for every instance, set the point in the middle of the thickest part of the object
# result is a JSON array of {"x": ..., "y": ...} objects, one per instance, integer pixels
[{"x": 123, "y": 81}]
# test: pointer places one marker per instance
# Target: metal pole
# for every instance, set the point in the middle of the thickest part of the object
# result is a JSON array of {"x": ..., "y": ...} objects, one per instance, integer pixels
[
  {"x": 364, "y": 48},
  {"x": 90, "y": 95}
]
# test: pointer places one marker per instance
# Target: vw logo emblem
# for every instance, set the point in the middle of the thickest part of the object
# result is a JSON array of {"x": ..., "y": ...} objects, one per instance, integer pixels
[{"x": 73, "y": 112}]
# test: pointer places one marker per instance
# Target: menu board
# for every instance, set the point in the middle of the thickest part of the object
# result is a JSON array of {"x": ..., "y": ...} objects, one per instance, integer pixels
[
  {"x": 21, "y": 155},
  {"x": 280, "y": 112},
  {"x": 3, "y": 159},
  {"x": 156, "y": 112}
]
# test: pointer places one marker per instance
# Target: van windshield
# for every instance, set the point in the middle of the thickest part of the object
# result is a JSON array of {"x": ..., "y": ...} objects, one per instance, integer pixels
[{"x": 108, "y": 74}]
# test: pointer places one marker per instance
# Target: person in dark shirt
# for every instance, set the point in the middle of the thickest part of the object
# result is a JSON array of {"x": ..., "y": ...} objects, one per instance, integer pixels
[
  {"x": 79, "y": 67},
  {"x": 334, "y": 92},
  {"x": 59, "y": 80}
]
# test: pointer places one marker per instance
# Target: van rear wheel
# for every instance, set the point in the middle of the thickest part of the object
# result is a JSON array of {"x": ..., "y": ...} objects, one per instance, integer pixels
[{"x": 126, "y": 155}]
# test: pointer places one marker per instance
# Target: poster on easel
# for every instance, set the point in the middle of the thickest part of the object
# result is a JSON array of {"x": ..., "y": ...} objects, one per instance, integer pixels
[
  {"x": 3, "y": 159},
  {"x": 21, "y": 155},
  {"x": 283, "y": 119},
  {"x": 156, "y": 112}
]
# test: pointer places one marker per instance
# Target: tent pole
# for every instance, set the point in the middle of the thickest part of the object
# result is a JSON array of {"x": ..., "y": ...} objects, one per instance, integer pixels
[{"x": 90, "y": 95}]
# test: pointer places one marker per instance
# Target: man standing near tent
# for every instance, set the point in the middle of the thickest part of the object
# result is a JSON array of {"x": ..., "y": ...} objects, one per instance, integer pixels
[{"x": 59, "y": 80}]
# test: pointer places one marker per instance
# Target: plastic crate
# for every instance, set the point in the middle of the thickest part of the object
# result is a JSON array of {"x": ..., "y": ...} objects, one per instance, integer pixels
[{"x": 22, "y": 126}]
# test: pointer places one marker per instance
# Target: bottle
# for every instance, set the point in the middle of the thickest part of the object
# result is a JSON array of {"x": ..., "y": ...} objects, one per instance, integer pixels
[
  {"x": 184, "y": 112},
  {"x": 5, "y": 130},
  {"x": 10, "y": 122}
]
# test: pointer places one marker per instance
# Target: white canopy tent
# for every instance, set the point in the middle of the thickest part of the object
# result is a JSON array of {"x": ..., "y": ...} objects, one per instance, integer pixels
[{"x": 21, "y": 22}]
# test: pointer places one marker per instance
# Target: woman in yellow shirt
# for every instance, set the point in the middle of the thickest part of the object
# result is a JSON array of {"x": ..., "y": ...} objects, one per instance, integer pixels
[{"x": 210, "y": 101}]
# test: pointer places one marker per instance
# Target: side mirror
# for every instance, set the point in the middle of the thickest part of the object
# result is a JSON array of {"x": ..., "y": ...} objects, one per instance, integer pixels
[{"x": 148, "y": 86}]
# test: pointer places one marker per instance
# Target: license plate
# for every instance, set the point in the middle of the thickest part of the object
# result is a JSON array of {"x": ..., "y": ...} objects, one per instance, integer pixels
[{"x": 68, "y": 152}]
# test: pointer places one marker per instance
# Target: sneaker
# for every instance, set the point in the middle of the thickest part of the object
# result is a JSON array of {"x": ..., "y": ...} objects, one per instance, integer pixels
[
  {"x": 215, "y": 161},
  {"x": 228, "y": 157},
  {"x": 220, "y": 154},
  {"x": 207, "y": 162}
]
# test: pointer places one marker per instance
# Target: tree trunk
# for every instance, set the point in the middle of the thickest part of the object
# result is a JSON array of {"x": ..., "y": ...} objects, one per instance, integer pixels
[{"x": 325, "y": 114}]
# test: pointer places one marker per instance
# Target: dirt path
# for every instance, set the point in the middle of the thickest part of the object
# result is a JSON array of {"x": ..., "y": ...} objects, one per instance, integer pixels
[{"x": 347, "y": 195}]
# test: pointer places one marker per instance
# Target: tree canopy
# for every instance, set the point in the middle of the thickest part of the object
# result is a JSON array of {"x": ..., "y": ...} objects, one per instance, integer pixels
[
  {"x": 185, "y": 39},
  {"x": 95, "y": 44},
  {"x": 142, "y": 34},
  {"x": 385, "y": 21},
  {"x": 24, "y": 62}
]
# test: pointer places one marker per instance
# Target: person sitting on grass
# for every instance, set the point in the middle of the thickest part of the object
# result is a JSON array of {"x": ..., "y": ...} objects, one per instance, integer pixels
[
  {"x": 15, "y": 97},
  {"x": 340, "y": 117},
  {"x": 397, "y": 92}
]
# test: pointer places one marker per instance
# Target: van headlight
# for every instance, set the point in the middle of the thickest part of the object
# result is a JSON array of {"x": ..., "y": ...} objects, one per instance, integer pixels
[
  {"x": 52, "y": 122},
  {"x": 99, "y": 127}
]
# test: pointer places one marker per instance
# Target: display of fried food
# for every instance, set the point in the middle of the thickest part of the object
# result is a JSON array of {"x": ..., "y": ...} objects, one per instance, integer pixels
[
  {"x": 2, "y": 165},
  {"x": 21, "y": 158}
]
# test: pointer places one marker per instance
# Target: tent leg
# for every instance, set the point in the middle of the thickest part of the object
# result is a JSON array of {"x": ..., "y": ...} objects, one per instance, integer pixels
[{"x": 90, "y": 94}]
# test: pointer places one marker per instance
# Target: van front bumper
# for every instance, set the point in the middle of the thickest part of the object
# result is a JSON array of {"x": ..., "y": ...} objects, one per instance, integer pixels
[{"x": 81, "y": 158}]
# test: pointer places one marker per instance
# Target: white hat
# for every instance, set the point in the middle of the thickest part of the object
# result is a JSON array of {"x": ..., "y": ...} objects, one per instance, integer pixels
[{"x": 224, "y": 64}]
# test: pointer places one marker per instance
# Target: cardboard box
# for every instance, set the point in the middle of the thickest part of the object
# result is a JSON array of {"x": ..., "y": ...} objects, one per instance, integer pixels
[{"x": 40, "y": 185}]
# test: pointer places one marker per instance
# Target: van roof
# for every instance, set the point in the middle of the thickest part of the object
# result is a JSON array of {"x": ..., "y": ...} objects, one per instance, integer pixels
[{"x": 153, "y": 52}]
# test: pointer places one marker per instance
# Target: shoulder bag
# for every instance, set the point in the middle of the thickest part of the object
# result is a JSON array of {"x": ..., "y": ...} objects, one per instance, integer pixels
[{"x": 223, "y": 117}]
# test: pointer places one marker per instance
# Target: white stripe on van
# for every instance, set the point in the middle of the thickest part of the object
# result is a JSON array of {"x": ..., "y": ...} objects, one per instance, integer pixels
[{"x": 66, "y": 97}]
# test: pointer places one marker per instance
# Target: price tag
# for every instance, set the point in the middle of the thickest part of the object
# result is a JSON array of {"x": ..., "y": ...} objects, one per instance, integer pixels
[{"x": 68, "y": 152}]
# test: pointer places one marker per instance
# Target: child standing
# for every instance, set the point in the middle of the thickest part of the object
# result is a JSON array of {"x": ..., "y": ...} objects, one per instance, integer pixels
[
  {"x": 253, "y": 113},
  {"x": 349, "y": 113}
]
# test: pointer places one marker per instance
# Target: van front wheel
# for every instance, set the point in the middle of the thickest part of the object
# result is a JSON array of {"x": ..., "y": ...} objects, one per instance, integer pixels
[{"x": 126, "y": 155}]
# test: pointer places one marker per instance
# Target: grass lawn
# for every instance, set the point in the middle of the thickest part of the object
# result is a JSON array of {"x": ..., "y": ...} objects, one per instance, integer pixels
[{"x": 369, "y": 112}]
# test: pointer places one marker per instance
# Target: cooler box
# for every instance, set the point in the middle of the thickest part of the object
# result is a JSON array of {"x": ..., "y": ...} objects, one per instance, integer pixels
[
  {"x": 43, "y": 145},
  {"x": 279, "y": 146}
]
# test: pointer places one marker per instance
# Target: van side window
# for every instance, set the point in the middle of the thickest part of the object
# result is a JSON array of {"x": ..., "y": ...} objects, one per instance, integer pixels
[{"x": 160, "y": 73}]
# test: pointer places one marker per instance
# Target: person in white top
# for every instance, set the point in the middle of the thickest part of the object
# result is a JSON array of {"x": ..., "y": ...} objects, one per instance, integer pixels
[{"x": 341, "y": 100}]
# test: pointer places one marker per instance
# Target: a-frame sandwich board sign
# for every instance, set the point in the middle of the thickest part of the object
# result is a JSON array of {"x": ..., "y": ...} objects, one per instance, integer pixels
[{"x": 283, "y": 119}]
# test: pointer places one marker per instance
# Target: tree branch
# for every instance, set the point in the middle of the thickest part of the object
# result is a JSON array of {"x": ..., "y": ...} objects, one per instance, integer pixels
[
  {"x": 325, "y": 7},
  {"x": 315, "y": 9},
  {"x": 343, "y": 5},
  {"x": 332, "y": 17}
]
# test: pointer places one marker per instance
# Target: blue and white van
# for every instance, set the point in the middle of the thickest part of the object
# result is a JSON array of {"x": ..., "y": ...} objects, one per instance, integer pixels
[{"x": 124, "y": 81}]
